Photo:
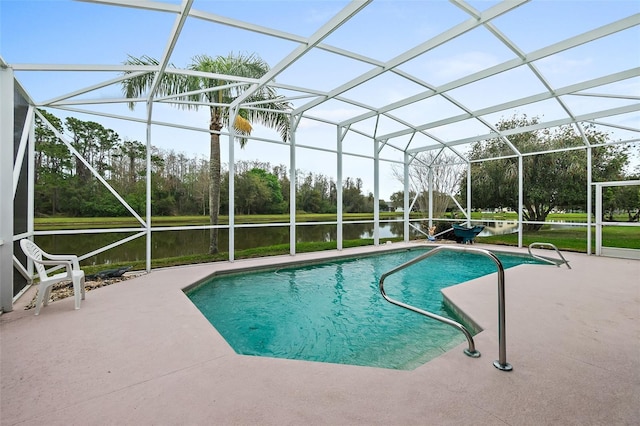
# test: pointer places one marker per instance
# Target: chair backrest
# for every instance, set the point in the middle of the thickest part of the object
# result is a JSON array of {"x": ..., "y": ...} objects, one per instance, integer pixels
[{"x": 35, "y": 253}]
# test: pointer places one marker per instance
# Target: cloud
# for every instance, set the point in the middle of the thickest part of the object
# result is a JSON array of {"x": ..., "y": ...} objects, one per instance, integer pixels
[
  {"x": 460, "y": 65},
  {"x": 319, "y": 15},
  {"x": 559, "y": 65}
]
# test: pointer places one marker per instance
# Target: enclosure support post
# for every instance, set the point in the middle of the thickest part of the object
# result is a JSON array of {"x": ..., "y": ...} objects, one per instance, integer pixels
[
  {"x": 468, "y": 193},
  {"x": 31, "y": 183},
  {"x": 6, "y": 189},
  {"x": 430, "y": 178},
  {"x": 339, "y": 187},
  {"x": 589, "y": 203},
  {"x": 406, "y": 198},
  {"x": 148, "y": 188},
  {"x": 520, "y": 198},
  {"x": 598, "y": 220},
  {"x": 292, "y": 187},
  {"x": 232, "y": 185},
  {"x": 376, "y": 192}
]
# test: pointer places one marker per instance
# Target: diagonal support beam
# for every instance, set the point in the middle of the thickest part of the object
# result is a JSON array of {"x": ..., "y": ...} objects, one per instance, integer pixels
[
  {"x": 563, "y": 91},
  {"x": 337, "y": 21},
  {"x": 548, "y": 124},
  {"x": 173, "y": 39},
  {"x": 561, "y": 46},
  {"x": 74, "y": 152},
  {"x": 439, "y": 40}
]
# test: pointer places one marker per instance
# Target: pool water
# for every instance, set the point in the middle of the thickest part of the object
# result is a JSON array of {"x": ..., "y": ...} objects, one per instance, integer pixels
[{"x": 334, "y": 312}]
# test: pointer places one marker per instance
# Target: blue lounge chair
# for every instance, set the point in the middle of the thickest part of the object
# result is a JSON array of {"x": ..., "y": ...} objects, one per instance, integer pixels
[{"x": 466, "y": 234}]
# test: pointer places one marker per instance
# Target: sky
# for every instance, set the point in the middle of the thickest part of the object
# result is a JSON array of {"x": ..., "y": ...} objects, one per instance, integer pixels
[{"x": 72, "y": 32}]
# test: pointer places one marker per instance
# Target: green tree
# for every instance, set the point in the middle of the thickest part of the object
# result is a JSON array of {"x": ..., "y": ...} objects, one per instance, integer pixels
[
  {"x": 622, "y": 199},
  {"x": 134, "y": 152},
  {"x": 272, "y": 198},
  {"x": 552, "y": 179},
  {"x": 609, "y": 199},
  {"x": 315, "y": 193},
  {"x": 629, "y": 201},
  {"x": 94, "y": 143},
  {"x": 281, "y": 173},
  {"x": 252, "y": 193},
  {"x": 308, "y": 197},
  {"x": 53, "y": 163},
  {"x": 397, "y": 199},
  {"x": 352, "y": 198},
  {"x": 192, "y": 91}
]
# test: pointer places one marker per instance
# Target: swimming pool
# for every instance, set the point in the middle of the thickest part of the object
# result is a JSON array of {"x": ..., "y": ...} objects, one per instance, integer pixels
[{"x": 333, "y": 312}]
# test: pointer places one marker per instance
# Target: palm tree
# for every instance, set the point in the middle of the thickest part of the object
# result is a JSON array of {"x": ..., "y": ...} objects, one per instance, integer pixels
[{"x": 191, "y": 92}]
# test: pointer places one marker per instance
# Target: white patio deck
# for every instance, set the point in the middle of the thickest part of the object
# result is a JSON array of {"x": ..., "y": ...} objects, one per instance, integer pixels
[{"x": 139, "y": 353}]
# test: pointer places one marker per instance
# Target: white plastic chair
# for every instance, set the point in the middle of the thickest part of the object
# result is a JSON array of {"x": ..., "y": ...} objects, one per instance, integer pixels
[{"x": 73, "y": 272}]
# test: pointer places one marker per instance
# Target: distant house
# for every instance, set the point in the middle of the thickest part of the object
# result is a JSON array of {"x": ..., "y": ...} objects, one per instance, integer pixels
[{"x": 502, "y": 210}]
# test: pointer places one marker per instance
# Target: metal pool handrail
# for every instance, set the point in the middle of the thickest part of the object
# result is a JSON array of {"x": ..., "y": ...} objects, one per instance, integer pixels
[
  {"x": 471, "y": 351},
  {"x": 547, "y": 260}
]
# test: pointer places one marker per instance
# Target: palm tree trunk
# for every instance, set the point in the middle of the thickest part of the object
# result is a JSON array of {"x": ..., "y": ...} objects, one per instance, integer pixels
[{"x": 214, "y": 183}]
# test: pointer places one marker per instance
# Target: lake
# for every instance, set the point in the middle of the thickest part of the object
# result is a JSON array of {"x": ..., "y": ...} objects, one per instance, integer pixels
[
  {"x": 190, "y": 242},
  {"x": 193, "y": 242}
]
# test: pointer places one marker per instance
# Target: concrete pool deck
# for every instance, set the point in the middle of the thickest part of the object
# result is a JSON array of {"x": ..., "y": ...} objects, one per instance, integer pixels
[{"x": 138, "y": 352}]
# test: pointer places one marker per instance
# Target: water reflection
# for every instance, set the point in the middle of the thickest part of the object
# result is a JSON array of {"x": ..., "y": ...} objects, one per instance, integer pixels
[
  {"x": 503, "y": 228},
  {"x": 194, "y": 242},
  {"x": 498, "y": 228}
]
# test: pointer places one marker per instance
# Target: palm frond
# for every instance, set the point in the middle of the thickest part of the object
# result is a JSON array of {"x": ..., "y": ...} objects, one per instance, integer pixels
[
  {"x": 170, "y": 84},
  {"x": 273, "y": 114},
  {"x": 137, "y": 86}
]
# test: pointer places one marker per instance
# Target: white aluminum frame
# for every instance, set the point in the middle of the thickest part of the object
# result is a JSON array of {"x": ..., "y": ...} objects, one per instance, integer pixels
[
  {"x": 311, "y": 99},
  {"x": 612, "y": 251},
  {"x": 6, "y": 188}
]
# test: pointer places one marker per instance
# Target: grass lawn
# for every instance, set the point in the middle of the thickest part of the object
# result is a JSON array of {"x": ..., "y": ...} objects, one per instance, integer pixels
[
  {"x": 572, "y": 239},
  {"x": 569, "y": 239},
  {"x": 129, "y": 222}
]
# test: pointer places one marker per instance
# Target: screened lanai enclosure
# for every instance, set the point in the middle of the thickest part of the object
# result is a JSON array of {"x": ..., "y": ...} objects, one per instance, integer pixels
[{"x": 418, "y": 101}]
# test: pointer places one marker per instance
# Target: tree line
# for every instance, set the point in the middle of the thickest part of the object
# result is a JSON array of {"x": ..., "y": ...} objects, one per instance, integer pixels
[
  {"x": 555, "y": 178},
  {"x": 180, "y": 185},
  {"x": 65, "y": 186}
]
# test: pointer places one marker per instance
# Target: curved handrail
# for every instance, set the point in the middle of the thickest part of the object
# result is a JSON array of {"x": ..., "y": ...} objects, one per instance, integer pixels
[
  {"x": 501, "y": 363},
  {"x": 547, "y": 260}
]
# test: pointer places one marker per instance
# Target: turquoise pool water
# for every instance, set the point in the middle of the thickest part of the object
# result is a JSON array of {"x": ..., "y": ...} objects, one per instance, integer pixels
[{"x": 334, "y": 312}]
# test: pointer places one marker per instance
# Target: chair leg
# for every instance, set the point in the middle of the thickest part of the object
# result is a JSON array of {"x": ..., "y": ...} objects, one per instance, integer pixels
[
  {"x": 39, "y": 299},
  {"x": 82, "y": 287},
  {"x": 47, "y": 295},
  {"x": 77, "y": 285}
]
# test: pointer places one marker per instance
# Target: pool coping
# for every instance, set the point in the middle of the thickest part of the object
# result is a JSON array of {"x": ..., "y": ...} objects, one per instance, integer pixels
[{"x": 138, "y": 352}]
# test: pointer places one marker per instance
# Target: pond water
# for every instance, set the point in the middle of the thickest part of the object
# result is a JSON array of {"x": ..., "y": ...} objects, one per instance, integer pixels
[{"x": 193, "y": 242}]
